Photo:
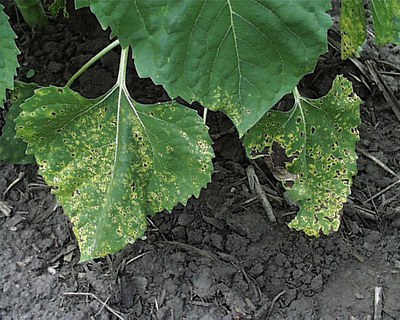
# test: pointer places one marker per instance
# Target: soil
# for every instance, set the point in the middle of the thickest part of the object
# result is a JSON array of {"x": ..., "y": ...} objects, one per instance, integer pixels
[{"x": 218, "y": 257}]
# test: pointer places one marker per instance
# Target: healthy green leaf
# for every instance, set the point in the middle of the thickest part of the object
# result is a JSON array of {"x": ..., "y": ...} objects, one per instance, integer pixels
[
  {"x": 319, "y": 137},
  {"x": 113, "y": 161},
  {"x": 13, "y": 150},
  {"x": 386, "y": 15},
  {"x": 236, "y": 56},
  {"x": 8, "y": 56},
  {"x": 352, "y": 26}
]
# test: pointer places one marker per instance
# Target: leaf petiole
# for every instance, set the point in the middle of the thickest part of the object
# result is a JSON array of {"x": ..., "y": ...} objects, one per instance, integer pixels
[
  {"x": 121, "y": 81},
  {"x": 88, "y": 64},
  {"x": 296, "y": 96}
]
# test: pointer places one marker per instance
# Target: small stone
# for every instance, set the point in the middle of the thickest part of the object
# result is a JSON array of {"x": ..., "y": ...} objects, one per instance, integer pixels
[
  {"x": 307, "y": 278},
  {"x": 51, "y": 270},
  {"x": 257, "y": 269},
  {"x": 396, "y": 223},
  {"x": 185, "y": 219},
  {"x": 195, "y": 236},
  {"x": 179, "y": 232},
  {"x": 297, "y": 274},
  {"x": 216, "y": 241},
  {"x": 55, "y": 67},
  {"x": 317, "y": 282},
  {"x": 359, "y": 296},
  {"x": 3, "y": 183},
  {"x": 280, "y": 273},
  {"x": 289, "y": 296}
]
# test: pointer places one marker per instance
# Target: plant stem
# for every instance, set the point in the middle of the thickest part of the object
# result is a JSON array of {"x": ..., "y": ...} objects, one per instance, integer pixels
[
  {"x": 297, "y": 96},
  {"x": 123, "y": 63},
  {"x": 32, "y": 12},
  {"x": 121, "y": 81},
  {"x": 88, "y": 64},
  {"x": 255, "y": 186},
  {"x": 205, "y": 115}
]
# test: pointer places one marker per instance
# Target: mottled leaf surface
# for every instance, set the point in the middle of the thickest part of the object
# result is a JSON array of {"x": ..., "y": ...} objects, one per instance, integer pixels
[
  {"x": 386, "y": 21},
  {"x": 13, "y": 150},
  {"x": 320, "y": 135},
  {"x": 113, "y": 161},
  {"x": 8, "y": 56},
  {"x": 386, "y": 16},
  {"x": 236, "y": 56},
  {"x": 352, "y": 27}
]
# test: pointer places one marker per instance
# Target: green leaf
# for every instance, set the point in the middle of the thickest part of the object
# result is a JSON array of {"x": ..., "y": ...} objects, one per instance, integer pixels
[
  {"x": 352, "y": 27},
  {"x": 30, "y": 73},
  {"x": 386, "y": 15},
  {"x": 8, "y": 56},
  {"x": 13, "y": 150},
  {"x": 236, "y": 56},
  {"x": 113, "y": 161},
  {"x": 319, "y": 136},
  {"x": 57, "y": 6},
  {"x": 33, "y": 13},
  {"x": 79, "y": 4}
]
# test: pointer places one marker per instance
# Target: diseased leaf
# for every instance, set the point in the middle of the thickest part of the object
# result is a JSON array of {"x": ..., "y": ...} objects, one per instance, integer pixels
[
  {"x": 386, "y": 21},
  {"x": 113, "y": 161},
  {"x": 319, "y": 137},
  {"x": 386, "y": 15},
  {"x": 236, "y": 56},
  {"x": 352, "y": 27},
  {"x": 13, "y": 150},
  {"x": 8, "y": 56}
]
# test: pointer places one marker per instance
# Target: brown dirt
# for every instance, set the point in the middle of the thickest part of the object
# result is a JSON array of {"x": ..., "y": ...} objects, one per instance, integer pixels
[{"x": 218, "y": 257}]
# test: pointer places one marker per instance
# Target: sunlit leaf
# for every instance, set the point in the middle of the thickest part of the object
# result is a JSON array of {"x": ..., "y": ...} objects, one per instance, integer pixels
[
  {"x": 113, "y": 161},
  {"x": 236, "y": 56}
]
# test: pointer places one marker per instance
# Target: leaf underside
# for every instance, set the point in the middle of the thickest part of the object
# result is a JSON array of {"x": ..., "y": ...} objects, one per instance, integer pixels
[
  {"x": 236, "y": 56},
  {"x": 8, "y": 56},
  {"x": 320, "y": 135},
  {"x": 113, "y": 161},
  {"x": 13, "y": 150}
]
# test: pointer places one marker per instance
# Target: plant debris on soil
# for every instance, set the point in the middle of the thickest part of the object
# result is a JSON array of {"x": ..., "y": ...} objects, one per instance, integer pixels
[{"x": 219, "y": 257}]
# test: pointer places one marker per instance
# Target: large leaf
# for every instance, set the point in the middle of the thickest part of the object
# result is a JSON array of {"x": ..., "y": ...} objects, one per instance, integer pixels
[
  {"x": 113, "y": 161},
  {"x": 318, "y": 137},
  {"x": 13, "y": 150},
  {"x": 8, "y": 56},
  {"x": 386, "y": 15},
  {"x": 236, "y": 56},
  {"x": 386, "y": 20}
]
